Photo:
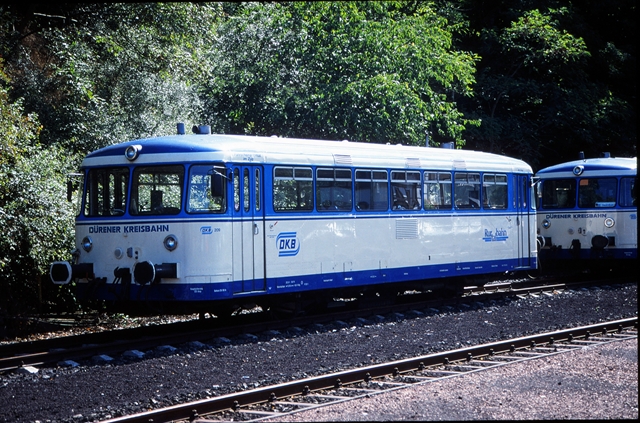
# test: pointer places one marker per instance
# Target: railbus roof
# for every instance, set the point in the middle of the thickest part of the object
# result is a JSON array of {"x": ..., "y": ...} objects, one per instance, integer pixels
[
  {"x": 603, "y": 166},
  {"x": 297, "y": 151}
]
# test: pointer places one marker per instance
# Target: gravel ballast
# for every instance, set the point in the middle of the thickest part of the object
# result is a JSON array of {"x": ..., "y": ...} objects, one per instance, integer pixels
[
  {"x": 93, "y": 392},
  {"x": 599, "y": 382}
]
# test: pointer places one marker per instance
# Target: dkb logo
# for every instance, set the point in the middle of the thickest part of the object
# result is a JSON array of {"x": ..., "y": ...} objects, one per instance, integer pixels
[{"x": 288, "y": 244}]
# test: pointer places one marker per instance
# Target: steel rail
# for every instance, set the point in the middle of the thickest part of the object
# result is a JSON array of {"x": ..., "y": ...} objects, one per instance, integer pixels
[
  {"x": 517, "y": 347},
  {"x": 79, "y": 347}
]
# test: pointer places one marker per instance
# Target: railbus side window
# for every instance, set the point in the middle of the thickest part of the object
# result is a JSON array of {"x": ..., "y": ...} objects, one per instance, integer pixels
[
  {"x": 156, "y": 190},
  {"x": 558, "y": 193},
  {"x": 372, "y": 190},
  {"x": 628, "y": 193},
  {"x": 292, "y": 188},
  {"x": 597, "y": 192},
  {"x": 207, "y": 185},
  {"x": 467, "y": 190},
  {"x": 532, "y": 194},
  {"x": 406, "y": 190},
  {"x": 437, "y": 190},
  {"x": 246, "y": 190},
  {"x": 236, "y": 189},
  {"x": 106, "y": 192},
  {"x": 75, "y": 184},
  {"x": 333, "y": 189},
  {"x": 257, "y": 189},
  {"x": 494, "y": 191}
]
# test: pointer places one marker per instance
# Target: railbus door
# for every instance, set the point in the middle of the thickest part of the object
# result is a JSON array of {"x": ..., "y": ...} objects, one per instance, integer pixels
[
  {"x": 523, "y": 223},
  {"x": 248, "y": 229}
]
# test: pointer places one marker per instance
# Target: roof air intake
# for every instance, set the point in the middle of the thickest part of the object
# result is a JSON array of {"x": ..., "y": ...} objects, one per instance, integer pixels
[{"x": 202, "y": 129}]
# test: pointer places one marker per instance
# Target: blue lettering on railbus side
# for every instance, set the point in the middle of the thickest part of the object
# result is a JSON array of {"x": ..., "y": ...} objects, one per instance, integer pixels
[
  {"x": 287, "y": 244},
  {"x": 116, "y": 229},
  {"x": 589, "y": 215},
  {"x": 497, "y": 235},
  {"x": 146, "y": 228},
  {"x": 575, "y": 215},
  {"x": 96, "y": 229},
  {"x": 208, "y": 230},
  {"x": 559, "y": 216}
]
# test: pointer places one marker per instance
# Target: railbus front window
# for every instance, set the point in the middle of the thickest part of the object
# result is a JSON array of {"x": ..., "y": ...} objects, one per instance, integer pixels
[
  {"x": 597, "y": 192},
  {"x": 75, "y": 191},
  {"x": 156, "y": 190},
  {"x": 558, "y": 193},
  {"x": 207, "y": 189},
  {"x": 628, "y": 192},
  {"x": 106, "y": 192}
]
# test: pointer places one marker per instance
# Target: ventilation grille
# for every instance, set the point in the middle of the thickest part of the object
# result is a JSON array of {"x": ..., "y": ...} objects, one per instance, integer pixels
[
  {"x": 342, "y": 159},
  {"x": 412, "y": 162},
  {"x": 459, "y": 164},
  {"x": 407, "y": 229}
]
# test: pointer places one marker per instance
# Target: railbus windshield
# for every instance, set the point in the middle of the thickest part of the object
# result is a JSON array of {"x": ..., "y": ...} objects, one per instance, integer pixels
[
  {"x": 106, "y": 192},
  {"x": 586, "y": 193},
  {"x": 207, "y": 189},
  {"x": 154, "y": 190}
]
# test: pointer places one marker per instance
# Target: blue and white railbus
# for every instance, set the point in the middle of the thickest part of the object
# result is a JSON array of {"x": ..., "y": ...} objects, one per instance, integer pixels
[
  {"x": 205, "y": 219},
  {"x": 587, "y": 212}
]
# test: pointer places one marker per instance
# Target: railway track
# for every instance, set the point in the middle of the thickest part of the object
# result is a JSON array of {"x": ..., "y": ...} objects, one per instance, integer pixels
[
  {"x": 300, "y": 395},
  {"x": 71, "y": 349}
]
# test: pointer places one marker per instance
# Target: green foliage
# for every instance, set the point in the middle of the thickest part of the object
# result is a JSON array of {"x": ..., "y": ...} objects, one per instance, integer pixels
[
  {"x": 538, "y": 43},
  {"x": 364, "y": 71},
  {"x": 537, "y": 95},
  {"x": 36, "y": 224},
  {"x": 526, "y": 87},
  {"x": 129, "y": 73}
]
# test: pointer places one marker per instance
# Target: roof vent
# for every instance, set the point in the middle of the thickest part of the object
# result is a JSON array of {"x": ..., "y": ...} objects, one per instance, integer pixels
[
  {"x": 412, "y": 162},
  {"x": 202, "y": 129},
  {"x": 606, "y": 155},
  {"x": 344, "y": 159},
  {"x": 180, "y": 128}
]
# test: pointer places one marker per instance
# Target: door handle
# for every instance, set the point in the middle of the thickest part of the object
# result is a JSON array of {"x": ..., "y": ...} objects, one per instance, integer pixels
[{"x": 255, "y": 229}]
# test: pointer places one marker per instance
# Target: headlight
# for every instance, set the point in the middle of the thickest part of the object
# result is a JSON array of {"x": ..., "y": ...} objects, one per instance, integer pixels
[
  {"x": 546, "y": 223},
  {"x": 170, "y": 242},
  {"x": 131, "y": 153},
  {"x": 87, "y": 243},
  {"x": 609, "y": 222}
]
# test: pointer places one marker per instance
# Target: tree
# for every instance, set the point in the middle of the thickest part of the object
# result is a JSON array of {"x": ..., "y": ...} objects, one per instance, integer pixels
[
  {"x": 540, "y": 95},
  {"x": 36, "y": 223},
  {"x": 117, "y": 71},
  {"x": 376, "y": 72}
]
